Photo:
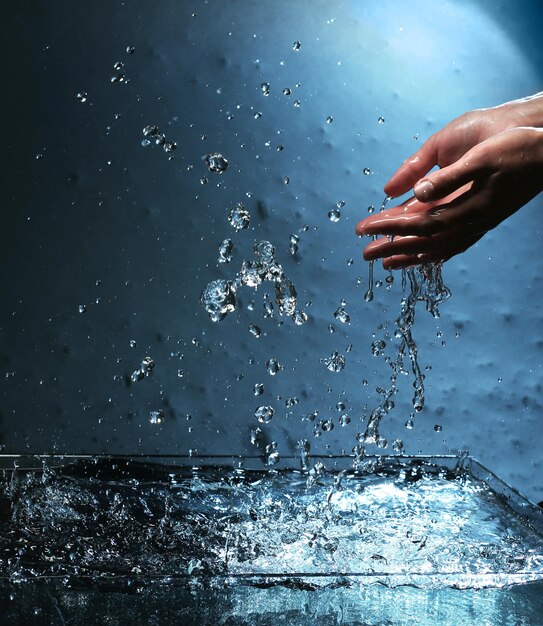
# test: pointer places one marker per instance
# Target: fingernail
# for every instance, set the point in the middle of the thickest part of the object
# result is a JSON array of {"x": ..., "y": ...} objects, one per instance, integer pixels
[{"x": 423, "y": 189}]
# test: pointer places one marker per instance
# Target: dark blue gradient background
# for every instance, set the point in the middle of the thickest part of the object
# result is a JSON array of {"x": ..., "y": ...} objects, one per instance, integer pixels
[{"x": 100, "y": 207}]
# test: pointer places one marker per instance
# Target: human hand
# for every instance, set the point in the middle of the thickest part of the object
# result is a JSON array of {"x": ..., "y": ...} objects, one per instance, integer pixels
[{"x": 455, "y": 205}]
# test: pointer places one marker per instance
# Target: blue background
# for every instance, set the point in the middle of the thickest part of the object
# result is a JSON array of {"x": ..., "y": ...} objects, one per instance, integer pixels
[{"x": 97, "y": 206}]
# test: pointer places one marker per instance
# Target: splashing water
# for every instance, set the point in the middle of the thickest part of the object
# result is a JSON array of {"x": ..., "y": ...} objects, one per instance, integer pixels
[{"x": 426, "y": 285}]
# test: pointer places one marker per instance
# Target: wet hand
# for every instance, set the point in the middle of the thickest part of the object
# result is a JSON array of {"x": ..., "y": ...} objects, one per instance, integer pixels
[{"x": 454, "y": 206}]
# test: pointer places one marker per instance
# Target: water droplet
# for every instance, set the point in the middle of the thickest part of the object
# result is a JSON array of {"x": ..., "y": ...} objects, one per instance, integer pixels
[
  {"x": 371, "y": 208},
  {"x": 118, "y": 65},
  {"x": 296, "y": 46},
  {"x": 286, "y": 180},
  {"x": 255, "y": 330},
  {"x": 299, "y": 317},
  {"x": 39, "y": 156},
  {"x": 216, "y": 163},
  {"x": 397, "y": 446},
  {"x": 180, "y": 373},
  {"x": 257, "y": 115},
  {"x": 297, "y": 104},
  {"x": 273, "y": 366},
  {"x": 329, "y": 119},
  {"x": 287, "y": 91},
  {"x": 256, "y": 436},
  {"x": 118, "y": 78},
  {"x": 344, "y": 420},
  {"x": 409, "y": 424},
  {"x": 169, "y": 146},
  {"x": 265, "y": 87},
  {"x": 273, "y": 458},
  {"x": 82, "y": 308},
  {"x": 280, "y": 148},
  {"x": 366, "y": 171},
  {"x": 340, "y": 406},
  {"x": 265, "y": 252},
  {"x": 129, "y": 49},
  {"x": 225, "y": 251},
  {"x": 342, "y": 316},
  {"x": 340, "y": 204},
  {"x": 132, "y": 343},
  {"x": 377, "y": 347},
  {"x": 219, "y": 298},
  {"x": 82, "y": 96},
  {"x": 258, "y": 389},
  {"x": 327, "y": 425},
  {"x": 204, "y": 180},
  {"x": 335, "y": 363},
  {"x": 264, "y": 414},
  {"x": 334, "y": 215},
  {"x": 156, "y": 417},
  {"x": 239, "y": 217},
  {"x": 380, "y": 120},
  {"x": 438, "y": 428},
  {"x": 150, "y": 131}
]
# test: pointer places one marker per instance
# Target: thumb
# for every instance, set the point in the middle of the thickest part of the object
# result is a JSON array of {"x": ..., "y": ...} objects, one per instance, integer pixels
[{"x": 446, "y": 180}]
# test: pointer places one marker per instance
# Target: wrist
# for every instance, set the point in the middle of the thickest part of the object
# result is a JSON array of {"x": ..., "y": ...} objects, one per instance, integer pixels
[{"x": 523, "y": 112}]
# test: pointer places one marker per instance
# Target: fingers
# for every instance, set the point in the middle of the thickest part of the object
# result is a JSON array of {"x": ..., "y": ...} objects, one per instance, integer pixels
[
  {"x": 446, "y": 180},
  {"x": 417, "y": 218},
  {"x": 413, "y": 168}
]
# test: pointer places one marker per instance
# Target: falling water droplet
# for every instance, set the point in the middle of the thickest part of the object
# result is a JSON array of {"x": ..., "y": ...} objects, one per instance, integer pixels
[
  {"x": 82, "y": 96},
  {"x": 258, "y": 389},
  {"x": 219, "y": 298},
  {"x": 273, "y": 366},
  {"x": 342, "y": 316},
  {"x": 366, "y": 171},
  {"x": 129, "y": 49},
  {"x": 216, "y": 163},
  {"x": 329, "y": 119},
  {"x": 255, "y": 330},
  {"x": 82, "y": 308},
  {"x": 239, "y": 217},
  {"x": 264, "y": 414},
  {"x": 156, "y": 417},
  {"x": 380, "y": 120},
  {"x": 335, "y": 363},
  {"x": 334, "y": 215},
  {"x": 265, "y": 87},
  {"x": 225, "y": 251},
  {"x": 296, "y": 46}
]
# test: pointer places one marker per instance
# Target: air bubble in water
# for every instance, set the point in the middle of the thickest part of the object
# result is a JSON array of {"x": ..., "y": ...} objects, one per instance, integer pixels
[
  {"x": 225, "y": 251},
  {"x": 239, "y": 217},
  {"x": 82, "y": 96},
  {"x": 334, "y": 215},
  {"x": 335, "y": 363},
  {"x": 296, "y": 46},
  {"x": 366, "y": 171},
  {"x": 216, "y": 163},
  {"x": 265, "y": 88},
  {"x": 219, "y": 298},
  {"x": 255, "y": 330},
  {"x": 156, "y": 417},
  {"x": 342, "y": 316},
  {"x": 273, "y": 366},
  {"x": 258, "y": 389},
  {"x": 264, "y": 414}
]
